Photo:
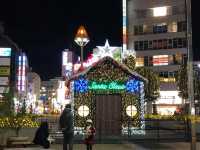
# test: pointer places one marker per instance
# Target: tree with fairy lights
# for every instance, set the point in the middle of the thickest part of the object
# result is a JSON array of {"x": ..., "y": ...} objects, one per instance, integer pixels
[
  {"x": 12, "y": 119},
  {"x": 7, "y": 104},
  {"x": 182, "y": 83},
  {"x": 153, "y": 85}
]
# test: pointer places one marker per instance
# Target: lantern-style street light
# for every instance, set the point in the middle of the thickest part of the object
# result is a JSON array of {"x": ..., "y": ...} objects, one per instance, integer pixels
[{"x": 81, "y": 39}]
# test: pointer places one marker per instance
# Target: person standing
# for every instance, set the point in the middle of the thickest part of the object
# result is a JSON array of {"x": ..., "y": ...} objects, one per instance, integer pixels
[
  {"x": 66, "y": 125},
  {"x": 89, "y": 134}
]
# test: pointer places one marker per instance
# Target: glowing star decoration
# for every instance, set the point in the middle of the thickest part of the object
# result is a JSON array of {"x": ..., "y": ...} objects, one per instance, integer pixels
[
  {"x": 132, "y": 86},
  {"x": 81, "y": 85},
  {"x": 107, "y": 50}
]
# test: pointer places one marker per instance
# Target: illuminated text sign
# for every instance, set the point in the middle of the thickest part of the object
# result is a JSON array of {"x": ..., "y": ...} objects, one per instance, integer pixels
[
  {"x": 5, "y": 51},
  {"x": 106, "y": 86}
]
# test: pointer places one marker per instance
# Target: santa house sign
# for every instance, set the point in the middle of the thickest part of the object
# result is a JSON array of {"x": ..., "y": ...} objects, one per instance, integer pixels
[{"x": 82, "y": 85}]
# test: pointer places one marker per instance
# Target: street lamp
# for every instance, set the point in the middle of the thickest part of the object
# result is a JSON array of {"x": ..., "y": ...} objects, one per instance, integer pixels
[{"x": 81, "y": 39}]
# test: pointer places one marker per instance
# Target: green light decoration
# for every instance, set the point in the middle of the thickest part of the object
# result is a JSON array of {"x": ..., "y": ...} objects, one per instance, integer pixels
[{"x": 106, "y": 86}]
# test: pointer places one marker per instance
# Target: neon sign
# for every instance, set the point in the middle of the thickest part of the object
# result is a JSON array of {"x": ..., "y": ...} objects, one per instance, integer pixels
[
  {"x": 106, "y": 86},
  {"x": 82, "y": 85}
]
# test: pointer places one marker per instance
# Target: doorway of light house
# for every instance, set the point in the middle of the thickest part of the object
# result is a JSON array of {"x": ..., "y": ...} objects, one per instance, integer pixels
[{"x": 108, "y": 115}]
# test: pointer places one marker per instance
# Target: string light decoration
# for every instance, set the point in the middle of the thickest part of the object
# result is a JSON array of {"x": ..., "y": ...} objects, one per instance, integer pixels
[
  {"x": 142, "y": 105},
  {"x": 18, "y": 122},
  {"x": 81, "y": 85},
  {"x": 132, "y": 86},
  {"x": 108, "y": 77}
]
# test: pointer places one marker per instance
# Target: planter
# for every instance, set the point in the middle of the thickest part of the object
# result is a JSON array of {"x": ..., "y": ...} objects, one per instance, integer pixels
[
  {"x": 18, "y": 141},
  {"x": 6, "y": 133}
]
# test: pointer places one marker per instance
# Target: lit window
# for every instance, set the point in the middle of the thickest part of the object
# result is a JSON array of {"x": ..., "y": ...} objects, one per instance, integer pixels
[
  {"x": 139, "y": 61},
  {"x": 131, "y": 110},
  {"x": 159, "y": 11},
  {"x": 23, "y": 78},
  {"x": 24, "y": 58},
  {"x": 83, "y": 111},
  {"x": 160, "y": 60},
  {"x": 172, "y": 27},
  {"x": 20, "y": 58}
]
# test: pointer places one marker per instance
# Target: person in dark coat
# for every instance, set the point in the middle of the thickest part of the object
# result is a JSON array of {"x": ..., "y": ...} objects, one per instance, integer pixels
[
  {"x": 66, "y": 125},
  {"x": 89, "y": 134},
  {"x": 41, "y": 135}
]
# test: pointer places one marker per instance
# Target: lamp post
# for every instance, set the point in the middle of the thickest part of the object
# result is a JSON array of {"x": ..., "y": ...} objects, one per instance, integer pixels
[
  {"x": 190, "y": 73},
  {"x": 81, "y": 39}
]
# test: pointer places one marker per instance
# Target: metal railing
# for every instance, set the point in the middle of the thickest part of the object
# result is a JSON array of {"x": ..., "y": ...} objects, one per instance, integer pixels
[{"x": 155, "y": 129}]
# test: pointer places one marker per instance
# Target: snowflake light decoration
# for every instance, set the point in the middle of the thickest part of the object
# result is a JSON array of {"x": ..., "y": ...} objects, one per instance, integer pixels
[
  {"x": 132, "y": 85},
  {"x": 81, "y": 85}
]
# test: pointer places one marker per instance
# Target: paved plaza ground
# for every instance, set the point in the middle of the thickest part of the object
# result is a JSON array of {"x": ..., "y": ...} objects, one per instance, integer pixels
[{"x": 136, "y": 146}]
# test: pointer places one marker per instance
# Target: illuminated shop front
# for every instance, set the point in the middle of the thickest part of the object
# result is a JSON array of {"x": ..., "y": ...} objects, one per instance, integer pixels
[
  {"x": 168, "y": 102},
  {"x": 109, "y": 93}
]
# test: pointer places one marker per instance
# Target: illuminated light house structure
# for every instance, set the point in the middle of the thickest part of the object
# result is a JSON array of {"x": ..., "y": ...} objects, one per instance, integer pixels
[{"x": 104, "y": 85}]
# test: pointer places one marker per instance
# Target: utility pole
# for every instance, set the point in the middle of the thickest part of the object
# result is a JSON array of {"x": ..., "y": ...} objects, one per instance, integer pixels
[{"x": 190, "y": 73}]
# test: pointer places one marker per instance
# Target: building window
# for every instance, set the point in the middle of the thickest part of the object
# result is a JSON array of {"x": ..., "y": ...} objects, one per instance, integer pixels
[
  {"x": 141, "y": 13},
  {"x": 150, "y": 46},
  {"x": 167, "y": 76},
  {"x": 160, "y": 28},
  {"x": 176, "y": 10},
  {"x": 138, "y": 29},
  {"x": 160, "y": 44},
  {"x": 172, "y": 27},
  {"x": 170, "y": 60},
  {"x": 141, "y": 45},
  {"x": 180, "y": 43},
  {"x": 160, "y": 11},
  {"x": 182, "y": 26},
  {"x": 146, "y": 61},
  {"x": 136, "y": 45},
  {"x": 184, "y": 42},
  {"x": 175, "y": 43},
  {"x": 155, "y": 43},
  {"x": 147, "y": 29},
  {"x": 150, "y": 61},
  {"x": 139, "y": 61},
  {"x": 160, "y": 60},
  {"x": 83, "y": 111},
  {"x": 178, "y": 59},
  {"x": 164, "y": 44},
  {"x": 169, "y": 43},
  {"x": 131, "y": 110},
  {"x": 184, "y": 59},
  {"x": 146, "y": 45}
]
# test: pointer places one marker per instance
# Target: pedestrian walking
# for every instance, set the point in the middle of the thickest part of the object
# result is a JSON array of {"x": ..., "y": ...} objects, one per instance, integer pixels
[
  {"x": 89, "y": 134},
  {"x": 41, "y": 135},
  {"x": 66, "y": 125}
]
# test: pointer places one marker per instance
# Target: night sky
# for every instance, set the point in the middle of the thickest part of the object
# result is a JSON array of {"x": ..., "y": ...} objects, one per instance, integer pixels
[{"x": 43, "y": 28}]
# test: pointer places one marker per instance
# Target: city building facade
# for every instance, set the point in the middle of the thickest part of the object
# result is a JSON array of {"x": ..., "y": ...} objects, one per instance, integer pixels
[
  {"x": 33, "y": 91},
  {"x": 67, "y": 63},
  {"x": 156, "y": 30},
  {"x": 9, "y": 52},
  {"x": 52, "y": 96}
]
